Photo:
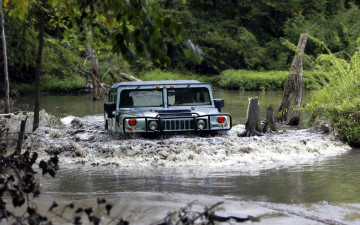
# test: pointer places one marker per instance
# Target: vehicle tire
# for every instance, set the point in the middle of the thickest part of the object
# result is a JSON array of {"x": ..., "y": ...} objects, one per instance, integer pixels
[{"x": 106, "y": 125}]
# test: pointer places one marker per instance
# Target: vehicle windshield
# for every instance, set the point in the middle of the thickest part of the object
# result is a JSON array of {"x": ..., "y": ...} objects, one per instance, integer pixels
[
  {"x": 188, "y": 96},
  {"x": 141, "y": 98}
]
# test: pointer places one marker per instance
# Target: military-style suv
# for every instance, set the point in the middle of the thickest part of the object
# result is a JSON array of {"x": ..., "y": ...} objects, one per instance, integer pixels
[{"x": 164, "y": 106}]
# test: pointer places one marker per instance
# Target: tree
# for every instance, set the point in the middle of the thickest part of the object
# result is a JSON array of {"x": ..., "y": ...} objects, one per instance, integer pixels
[
  {"x": 139, "y": 29},
  {"x": 97, "y": 92},
  {"x": 41, "y": 27},
  {"x": 4, "y": 55}
]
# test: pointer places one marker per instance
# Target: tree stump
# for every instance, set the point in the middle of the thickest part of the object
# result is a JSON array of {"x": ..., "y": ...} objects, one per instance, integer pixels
[
  {"x": 270, "y": 121},
  {"x": 252, "y": 126}
]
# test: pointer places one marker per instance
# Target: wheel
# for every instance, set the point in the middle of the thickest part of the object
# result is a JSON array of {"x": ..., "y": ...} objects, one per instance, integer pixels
[{"x": 106, "y": 125}]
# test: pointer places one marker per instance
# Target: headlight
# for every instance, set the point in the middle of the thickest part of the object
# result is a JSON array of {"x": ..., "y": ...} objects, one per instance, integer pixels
[
  {"x": 153, "y": 125},
  {"x": 201, "y": 124}
]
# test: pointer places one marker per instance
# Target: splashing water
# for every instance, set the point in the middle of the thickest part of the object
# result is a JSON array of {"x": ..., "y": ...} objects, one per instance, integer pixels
[{"x": 84, "y": 141}]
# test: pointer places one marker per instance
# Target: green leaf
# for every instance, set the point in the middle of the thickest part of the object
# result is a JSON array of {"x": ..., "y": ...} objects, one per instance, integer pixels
[
  {"x": 187, "y": 53},
  {"x": 109, "y": 21}
]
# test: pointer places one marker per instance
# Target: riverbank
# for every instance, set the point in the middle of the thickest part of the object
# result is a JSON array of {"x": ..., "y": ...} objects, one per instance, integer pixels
[{"x": 245, "y": 80}]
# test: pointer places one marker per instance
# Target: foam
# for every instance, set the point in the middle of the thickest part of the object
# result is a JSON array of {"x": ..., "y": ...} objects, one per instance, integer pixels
[{"x": 86, "y": 142}]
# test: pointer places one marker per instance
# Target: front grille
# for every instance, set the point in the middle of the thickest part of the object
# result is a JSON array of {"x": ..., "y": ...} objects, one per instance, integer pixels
[
  {"x": 177, "y": 124},
  {"x": 174, "y": 113}
]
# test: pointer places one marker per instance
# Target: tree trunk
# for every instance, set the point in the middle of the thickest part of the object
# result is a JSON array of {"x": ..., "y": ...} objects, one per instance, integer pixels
[
  {"x": 298, "y": 83},
  {"x": 296, "y": 70},
  {"x": 295, "y": 118},
  {"x": 97, "y": 92},
  {"x": 126, "y": 76},
  {"x": 38, "y": 68},
  {"x": 270, "y": 121},
  {"x": 252, "y": 126},
  {"x": 4, "y": 54}
]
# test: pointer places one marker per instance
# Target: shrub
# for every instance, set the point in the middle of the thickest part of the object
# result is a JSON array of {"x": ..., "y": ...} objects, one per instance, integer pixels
[
  {"x": 339, "y": 100},
  {"x": 174, "y": 75},
  {"x": 246, "y": 80},
  {"x": 53, "y": 84}
]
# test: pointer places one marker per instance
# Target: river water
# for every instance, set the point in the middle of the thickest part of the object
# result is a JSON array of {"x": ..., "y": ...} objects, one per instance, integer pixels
[{"x": 294, "y": 177}]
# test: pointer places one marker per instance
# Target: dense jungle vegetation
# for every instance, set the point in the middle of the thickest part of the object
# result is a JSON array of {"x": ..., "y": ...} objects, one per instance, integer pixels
[
  {"x": 250, "y": 44},
  {"x": 231, "y": 34}
]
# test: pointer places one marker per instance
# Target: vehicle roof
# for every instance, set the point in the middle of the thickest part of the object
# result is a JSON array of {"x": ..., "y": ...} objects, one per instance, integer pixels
[{"x": 161, "y": 82}]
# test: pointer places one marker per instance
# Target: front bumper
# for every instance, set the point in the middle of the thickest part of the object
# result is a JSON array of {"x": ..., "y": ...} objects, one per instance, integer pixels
[{"x": 210, "y": 122}]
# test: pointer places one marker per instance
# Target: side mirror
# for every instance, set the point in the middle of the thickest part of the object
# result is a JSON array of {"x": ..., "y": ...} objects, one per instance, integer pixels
[
  {"x": 219, "y": 103},
  {"x": 109, "y": 107}
]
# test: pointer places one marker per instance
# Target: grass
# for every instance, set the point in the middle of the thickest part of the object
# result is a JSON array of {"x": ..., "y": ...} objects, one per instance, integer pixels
[
  {"x": 52, "y": 84},
  {"x": 245, "y": 80},
  {"x": 248, "y": 80},
  {"x": 174, "y": 75}
]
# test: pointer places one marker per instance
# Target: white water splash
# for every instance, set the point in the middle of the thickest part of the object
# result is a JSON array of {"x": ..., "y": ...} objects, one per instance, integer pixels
[
  {"x": 84, "y": 141},
  {"x": 14, "y": 121}
]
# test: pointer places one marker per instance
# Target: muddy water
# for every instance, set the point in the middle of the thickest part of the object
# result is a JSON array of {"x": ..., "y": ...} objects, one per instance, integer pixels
[{"x": 294, "y": 177}]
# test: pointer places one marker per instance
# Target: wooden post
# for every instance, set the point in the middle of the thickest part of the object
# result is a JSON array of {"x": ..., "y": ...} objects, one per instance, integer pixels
[
  {"x": 21, "y": 136},
  {"x": 252, "y": 126},
  {"x": 296, "y": 70}
]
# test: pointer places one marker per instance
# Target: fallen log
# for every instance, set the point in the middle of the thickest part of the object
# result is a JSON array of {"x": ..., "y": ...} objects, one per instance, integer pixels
[
  {"x": 125, "y": 76},
  {"x": 252, "y": 126}
]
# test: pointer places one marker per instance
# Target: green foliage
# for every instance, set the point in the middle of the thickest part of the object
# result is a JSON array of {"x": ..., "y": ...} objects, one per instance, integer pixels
[
  {"x": 339, "y": 100},
  {"x": 253, "y": 80},
  {"x": 173, "y": 75},
  {"x": 142, "y": 65},
  {"x": 58, "y": 60},
  {"x": 140, "y": 27},
  {"x": 338, "y": 31},
  {"x": 231, "y": 34},
  {"x": 53, "y": 84},
  {"x": 20, "y": 51},
  {"x": 249, "y": 80},
  {"x": 224, "y": 42}
]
